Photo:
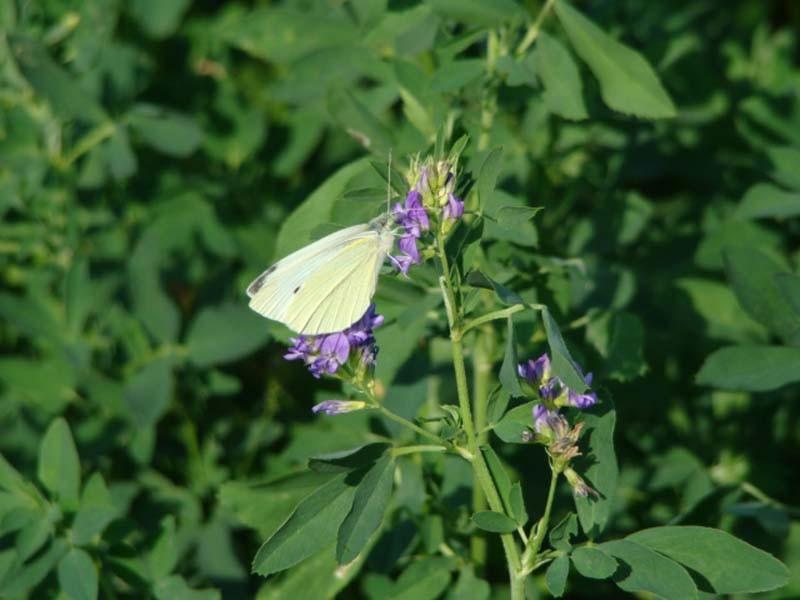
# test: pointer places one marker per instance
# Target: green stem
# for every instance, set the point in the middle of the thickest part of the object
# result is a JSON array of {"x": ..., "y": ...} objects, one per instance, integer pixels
[
  {"x": 89, "y": 141},
  {"x": 400, "y": 451},
  {"x": 482, "y": 369},
  {"x": 489, "y": 99},
  {"x": 481, "y": 471},
  {"x": 409, "y": 424},
  {"x": 532, "y": 553},
  {"x": 498, "y": 314},
  {"x": 533, "y": 30}
]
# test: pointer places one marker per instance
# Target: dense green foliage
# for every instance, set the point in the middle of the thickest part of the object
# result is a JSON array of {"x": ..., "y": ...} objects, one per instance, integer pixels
[{"x": 632, "y": 172}]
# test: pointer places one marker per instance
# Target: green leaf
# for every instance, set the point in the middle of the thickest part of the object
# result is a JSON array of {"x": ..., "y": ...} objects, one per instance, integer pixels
[
  {"x": 507, "y": 218},
  {"x": 504, "y": 294},
  {"x": 119, "y": 155},
  {"x": 65, "y": 95},
  {"x": 225, "y": 333},
  {"x": 726, "y": 564},
  {"x": 556, "y": 576},
  {"x": 167, "y": 131},
  {"x": 265, "y": 507},
  {"x": 627, "y": 81},
  {"x": 348, "y": 460},
  {"x": 487, "y": 174},
  {"x": 469, "y": 587},
  {"x": 564, "y": 367},
  {"x": 785, "y": 160},
  {"x": 766, "y": 200},
  {"x": 95, "y": 513},
  {"x": 312, "y": 525},
  {"x": 499, "y": 476},
  {"x": 358, "y": 120},
  {"x": 485, "y": 13},
  {"x": 163, "y": 556},
  {"x": 751, "y": 368},
  {"x": 619, "y": 338},
  {"x": 149, "y": 392},
  {"x": 773, "y": 518},
  {"x": 515, "y": 423},
  {"x": 598, "y": 467},
  {"x": 517, "y": 504},
  {"x": 282, "y": 35},
  {"x": 77, "y": 575},
  {"x": 365, "y": 516},
  {"x": 296, "y": 229},
  {"x": 175, "y": 587},
  {"x": 454, "y": 75},
  {"x": 425, "y": 579},
  {"x": 642, "y": 570},
  {"x": 752, "y": 273},
  {"x": 789, "y": 285},
  {"x": 158, "y": 18},
  {"x": 29, "y": 576},
  {"x": 494, "y": 521},
  {"x": 717, "y": 305},
  {"x": 563, "y": 88},
  {"x": 593, "y": 562},
  {"x": 508, "y": 370},
  {"x": 59, "y": 466},
  {"x": 561, "y": 535}
]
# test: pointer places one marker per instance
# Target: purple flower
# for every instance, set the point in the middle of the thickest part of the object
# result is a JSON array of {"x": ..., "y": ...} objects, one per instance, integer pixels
[
  {"x": 412, "y": 214},
  {"x": 535, "y": 371},
  {"x": 454, "y": 208},
  {"x": 324, "y": 354},
  {"x": 551, "y": 388},
  {"x": 545, "y": 419},
  {"x": 337, "y": 407},
  {"x": 538, "y": 372},
  {"x": 584, "y": 400},
  {"x": 413, "y": 218}
]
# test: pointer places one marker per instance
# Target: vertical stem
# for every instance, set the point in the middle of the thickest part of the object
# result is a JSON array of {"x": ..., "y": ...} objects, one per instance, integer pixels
[
  {"x": 541, "y": 527},
  {"x": 482, "y": 474},
  {"x": 482, "y": 367},
  {"x": 489, "y": 98}
]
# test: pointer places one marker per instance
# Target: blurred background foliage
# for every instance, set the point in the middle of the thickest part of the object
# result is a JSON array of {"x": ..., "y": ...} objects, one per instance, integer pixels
[{"x": 155, "y": 155}]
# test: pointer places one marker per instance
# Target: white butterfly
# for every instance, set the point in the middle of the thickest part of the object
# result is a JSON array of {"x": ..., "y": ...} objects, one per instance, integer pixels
[{"x": 328, "y": 285}]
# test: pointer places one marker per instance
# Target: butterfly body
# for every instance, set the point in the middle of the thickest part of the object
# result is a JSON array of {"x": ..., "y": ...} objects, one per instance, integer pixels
[{"x": 327, "y": 285}]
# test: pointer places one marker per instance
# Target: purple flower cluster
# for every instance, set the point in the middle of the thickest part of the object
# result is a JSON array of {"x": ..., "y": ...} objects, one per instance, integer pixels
[
  {"x": 551, "y": 389},
  {"x": 413, "y": 218},
  {"x": 432, "y": 190},
  {"x": 553, "y": 393},
  {"x": 324, "y": 354}
]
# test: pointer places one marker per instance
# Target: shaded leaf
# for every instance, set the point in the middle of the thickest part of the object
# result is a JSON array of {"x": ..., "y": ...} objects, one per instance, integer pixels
[
  {"x": 59, "y": 467},
  {"x": 643, "y": 570},
  {"x": 494, "y": 521},
  {"x": 598, "y": 467},
  {"x": 627, "y": 81},
  {"x": 563, "y": 89},
  {"x": 312, "y": 525},
  {"x": 593, "y": 562},
  {"x": 366, "y": 514},
  {"x": 556, "y": 576},
  {"x": 727, "y": 564},
  {"x": 77, "y": 575},
  {"x": 751, "y": 368}
]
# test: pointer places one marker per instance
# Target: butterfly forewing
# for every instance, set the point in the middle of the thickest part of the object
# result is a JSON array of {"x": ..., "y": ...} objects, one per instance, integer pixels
[{"x": 325, "y": 286}]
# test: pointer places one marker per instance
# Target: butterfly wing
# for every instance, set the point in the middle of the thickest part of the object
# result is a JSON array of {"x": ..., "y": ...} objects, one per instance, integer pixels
[{"x": 325, "y": 286}]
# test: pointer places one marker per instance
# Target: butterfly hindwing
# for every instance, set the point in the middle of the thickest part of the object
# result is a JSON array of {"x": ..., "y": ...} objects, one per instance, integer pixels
[{"x": 339, "y": 291}]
